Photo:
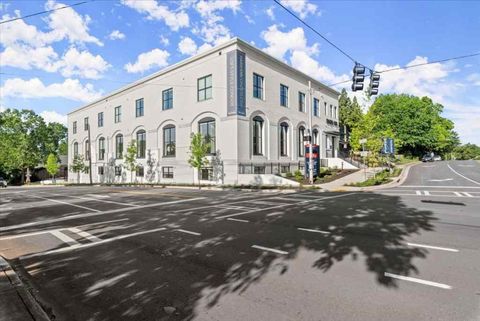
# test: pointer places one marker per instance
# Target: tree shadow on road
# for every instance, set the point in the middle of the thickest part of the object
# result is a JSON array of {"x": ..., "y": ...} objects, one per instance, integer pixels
[{"x": 136, "y": 278}]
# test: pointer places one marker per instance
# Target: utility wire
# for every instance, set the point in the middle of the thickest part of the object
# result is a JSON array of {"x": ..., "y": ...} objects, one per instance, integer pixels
[
  {"x": 43, "y": 12},
  {"x": 316, "y": 32}
]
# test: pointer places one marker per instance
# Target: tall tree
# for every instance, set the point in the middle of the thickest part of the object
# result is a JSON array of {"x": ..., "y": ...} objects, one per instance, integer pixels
[
  {"x": 350, "y": 111},
  {"x": 199, "y": 149},
  {"x": 52, "y": 166},
  {"x": 78, "y": 166}
]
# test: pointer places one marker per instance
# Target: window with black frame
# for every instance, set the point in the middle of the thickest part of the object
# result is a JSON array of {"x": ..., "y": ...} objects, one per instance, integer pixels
[
  {"x": 257, "y": 135},
  {"x": 284, "y": 139},
  {"x": 141, "y": 143},
  {"x": 301, "y": 101},
  {"x": 283, "y": 95},
  {"x": 301, "y": 148},
  {"x": 257, "y": 86},
  {"x": 119, "y": 146},
  {"x": 169, "y": 141},
  {"x": 206, "y": 127},
  {"x": 101, "y": 148},
  {"x": 204, "y": 88},
  {"x": 167, "y": 99}
]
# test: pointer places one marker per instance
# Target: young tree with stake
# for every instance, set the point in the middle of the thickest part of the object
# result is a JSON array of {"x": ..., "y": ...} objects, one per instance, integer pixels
[{"x": 199, "y": 149}]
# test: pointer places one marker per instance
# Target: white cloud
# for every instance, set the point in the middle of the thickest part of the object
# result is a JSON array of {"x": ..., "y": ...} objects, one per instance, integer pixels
[
  {"x": 51, "y": 116},
  {"x": 187, "y": 46},
  {"x": 270, "y": 13},
  {"x": 83, "y": 64},
  {"x": 303, "y": 62},
  {"x": 154, "y": 11},
  {"x": 474, "y": 79},
  {"x": 302, "y": 7},
  {"x": 279, "y": 42},
  {"x": 148, "y": 60},
  {"x": 164, "y": 40},
  {"x": 116, "y": 34},
  {"x": 34, "y": 88},
  {"x": 25, "y": 57},
  {"x": 467, "y": 120},
  {"x": 209, "y": 8}
]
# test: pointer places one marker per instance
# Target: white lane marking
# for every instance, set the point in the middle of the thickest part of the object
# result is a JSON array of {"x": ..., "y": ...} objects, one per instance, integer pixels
[
  {"x": 86, "y": 245},
  {"x": 103, "y": 222},
  {"x": 84, "y": 234},
  {"x": 269, "y": 249},
  {"x": 93, "y": 199},
  {"x": 237, "y": 220},
  {"x": 313, "y": 230},
  {"x": 465, "y": 165},
  {"x": 433, "y": 247},
  {"x": 282, "y": 205},
  {"x": 64, "y": 238},
  {"x": 465, "y": 177},
  {"x": 426, "y": 193},
  {"x": 425, "y": 282},
  {"x": 418, "y": 192},
  {"x": 274, "y": 213},
  {"x": 188, "y": 232},
  {"x": 441, "y": 180},
  {"x": 66, "y": 203},
  {"x": 467, "y": 194},
  {"x": 445, "y": 186},
  {"x": 97, "y": 195},
  {"x": 458, "y": 194},
  {"x": 71, "y": 217}
]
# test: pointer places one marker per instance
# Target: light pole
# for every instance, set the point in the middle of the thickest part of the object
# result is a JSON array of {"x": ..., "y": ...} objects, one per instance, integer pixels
[
  {"x": 89, "y": 154},
  {"x": 310, "y": 132}
]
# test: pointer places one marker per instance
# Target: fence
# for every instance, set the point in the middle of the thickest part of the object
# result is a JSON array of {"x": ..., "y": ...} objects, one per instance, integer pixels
[{"x": 270, "y": 168}]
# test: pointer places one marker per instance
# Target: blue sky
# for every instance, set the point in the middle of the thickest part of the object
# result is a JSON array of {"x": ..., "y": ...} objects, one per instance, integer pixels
[{"x": 56, "y": 62}]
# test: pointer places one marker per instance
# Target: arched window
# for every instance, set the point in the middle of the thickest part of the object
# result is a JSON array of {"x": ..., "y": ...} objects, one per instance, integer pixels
[
  {"x": 315, "y": 136},
  {"x": 87, "y": 149},
  {"x": 284, "y": 139},
  {"x": 257, "y": 135},
  {"x": 301, "y": 148},
  {"x": 206, "y": 127},
  {"x": 169, "y": 140},
  {"x": 141, "y": 143},
  {"x": 75, "y": 149},
  {"x": 101, "y": 148},
  {"x": 119, "y": 146}
]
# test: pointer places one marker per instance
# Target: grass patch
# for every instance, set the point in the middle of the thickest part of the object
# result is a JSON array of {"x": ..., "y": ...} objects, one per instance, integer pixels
[{"x": 380, "y": 178}]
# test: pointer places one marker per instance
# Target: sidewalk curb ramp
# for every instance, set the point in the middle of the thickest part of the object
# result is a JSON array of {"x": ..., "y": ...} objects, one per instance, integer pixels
[{"x": 24, "y": 298}]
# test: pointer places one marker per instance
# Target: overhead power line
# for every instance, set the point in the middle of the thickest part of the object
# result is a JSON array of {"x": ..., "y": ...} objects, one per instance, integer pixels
[
  {"x": 43, "y": 12},
  {"x": 316, "y": 32}
]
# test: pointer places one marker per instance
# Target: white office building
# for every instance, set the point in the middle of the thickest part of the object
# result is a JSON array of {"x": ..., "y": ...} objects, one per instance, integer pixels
[{"x": 252, "y": 107}]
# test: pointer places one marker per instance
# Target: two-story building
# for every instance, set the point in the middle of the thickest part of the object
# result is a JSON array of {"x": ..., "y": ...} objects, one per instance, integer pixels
[{"x": 251, "y": 107}]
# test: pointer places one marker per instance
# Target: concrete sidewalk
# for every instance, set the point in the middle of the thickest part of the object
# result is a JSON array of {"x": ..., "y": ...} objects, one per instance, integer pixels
[
  {"x": 356, "y": 177},
  {"x": 16, "y": 303}
]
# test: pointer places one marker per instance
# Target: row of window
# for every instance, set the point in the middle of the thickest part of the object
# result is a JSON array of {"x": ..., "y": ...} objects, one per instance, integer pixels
[{"x": 167, "y": 171}]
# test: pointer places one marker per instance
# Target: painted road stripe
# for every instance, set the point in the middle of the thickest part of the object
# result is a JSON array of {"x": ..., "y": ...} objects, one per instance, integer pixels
[
  {"x": 72, "y": 217},
  {"x": 458, "y": 194},
  {"x": 66, "y": 203},
  {"x": 419, "y": 192},
  {"x": 97, "y": 195},
  {"x": 426, "y": 193},
  {"x": 237, "y": 220},
  {"x": 463, "y": 176},
  {"x": 433, "y": 247},
  {"x": 425, "y": 282},
  {"x": 103, "y": 222},
  {"x": 312, "y": 230},
  {"x": 467, "y": 194},
  {"x": 283, "y": 205},
  {"x": 26, "y": 235},
  {"x": 445, "y": 186},
  {"x": 64, "y": 238},
  {"x": 81, "y": 246},
  {"x": 188, "y": 232},
  {"x": 84, "y": 234},
  {"x": 93, "y": 199},
  {"x": 269, "y": 249}
]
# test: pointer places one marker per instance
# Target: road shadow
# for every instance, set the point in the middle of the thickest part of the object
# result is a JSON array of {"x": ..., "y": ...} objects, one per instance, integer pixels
[{"x": 170, "y": 275}]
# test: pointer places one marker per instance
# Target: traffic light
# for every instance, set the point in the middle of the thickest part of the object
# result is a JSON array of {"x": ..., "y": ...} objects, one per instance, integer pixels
[
  {"x": 374, "y": 83},
  {"x": 358, "y": 77}
]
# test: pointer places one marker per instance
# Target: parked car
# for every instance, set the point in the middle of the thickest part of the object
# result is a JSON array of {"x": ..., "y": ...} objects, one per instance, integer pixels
[
  {"x": 427, "y": 158},
  {"x": 3, "y": 182},
  {"x": 437, "y": 158}
]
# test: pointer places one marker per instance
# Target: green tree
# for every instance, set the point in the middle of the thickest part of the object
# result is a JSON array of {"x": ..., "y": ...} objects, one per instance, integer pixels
[
  {"x": 350, "y": 112},
  {"x": 199, "y": 149},
  {"x": 55, "y": 139},
  {"x": 78, "y": 166},
  {"x": 131, "y": 158},
  {"x": 467, "y": 151},
  {"x": 52, "y": 166}
]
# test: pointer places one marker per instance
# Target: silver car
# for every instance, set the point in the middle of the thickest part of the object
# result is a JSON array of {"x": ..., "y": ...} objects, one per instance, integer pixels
[{"x": 3, "y": 182}]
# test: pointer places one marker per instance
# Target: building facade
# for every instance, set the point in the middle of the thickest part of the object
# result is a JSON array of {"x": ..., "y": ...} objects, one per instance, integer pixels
[{"x": 252, "y": 108}]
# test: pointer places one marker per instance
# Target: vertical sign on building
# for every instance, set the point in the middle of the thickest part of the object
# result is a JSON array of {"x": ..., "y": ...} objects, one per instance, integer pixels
[{"x": 236, "y": 83}]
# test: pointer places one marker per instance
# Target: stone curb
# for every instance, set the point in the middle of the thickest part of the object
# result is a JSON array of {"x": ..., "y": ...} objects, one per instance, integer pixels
[
  {"x": 31, "y": 305},
  {"x": 397, "y": 182}
]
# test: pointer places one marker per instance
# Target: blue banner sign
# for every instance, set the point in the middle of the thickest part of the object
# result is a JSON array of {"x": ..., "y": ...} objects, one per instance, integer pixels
[{"x": 388, "y": 146}]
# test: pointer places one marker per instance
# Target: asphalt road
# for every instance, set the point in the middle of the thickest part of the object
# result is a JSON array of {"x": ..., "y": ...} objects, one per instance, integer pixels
[{"x": 105, "y": 253}]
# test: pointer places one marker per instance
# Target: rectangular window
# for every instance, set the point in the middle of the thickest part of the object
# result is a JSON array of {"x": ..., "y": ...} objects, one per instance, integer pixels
[
  {"x": 167, "y": 172},
  {"x": 100, "y": 170},
  {"x": 140, "y": 171},
  {"x": 118, "y": 170},
  {"x": 85, "y": 123},
  {"x": 118, "y": 114},
  {"x": 257, "y": 86},
  {"x": 283, "y": 95},
  {"x": 325, "y": 103},
  {"x": 204, "y": 87},
  {"x": 74, "y": 129},
  {"x": 301, "y": 101},
  {"x": 87, "y": 150},
  {"x": 100, "y": 119},
  {"x": 331, "y": 111},
  {"x": 207, "y": 129},
  {"x": 167, "y": 99},
  {"x": 169, "y": 141},
  {"x": 206, "y": 174},
  {"x": 259, "y": 169},
  {"x": 315, "y": 107},
  {"x": 139, "y": 107},
  {"x": 335, "y": 114}
]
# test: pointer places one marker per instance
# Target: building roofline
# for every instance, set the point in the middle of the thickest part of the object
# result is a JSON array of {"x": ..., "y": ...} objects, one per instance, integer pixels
[{"x": 197, "y": 57}]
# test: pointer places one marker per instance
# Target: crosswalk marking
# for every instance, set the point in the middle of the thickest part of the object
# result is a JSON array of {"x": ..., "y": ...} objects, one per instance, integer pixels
[
  {"x": 458, "y": 194},
  {"x": 467, "y": 194}
]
